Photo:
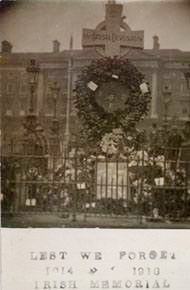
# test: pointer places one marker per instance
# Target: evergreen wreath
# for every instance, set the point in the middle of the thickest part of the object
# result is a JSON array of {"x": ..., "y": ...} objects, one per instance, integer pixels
[{"x": 95, "y": 120}]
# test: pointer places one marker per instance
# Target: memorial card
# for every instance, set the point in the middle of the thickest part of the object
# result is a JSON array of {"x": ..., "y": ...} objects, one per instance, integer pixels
[{"x": 95, "y": 144}]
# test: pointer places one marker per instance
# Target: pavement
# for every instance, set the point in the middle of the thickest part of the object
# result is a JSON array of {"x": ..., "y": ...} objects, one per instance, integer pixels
[{"x": 81, "y": 220}]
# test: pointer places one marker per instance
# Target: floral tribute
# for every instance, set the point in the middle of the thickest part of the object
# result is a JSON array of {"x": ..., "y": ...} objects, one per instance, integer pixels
[
  {"x": 117, "y": 142},
  {"x": 98, "y": 120}
]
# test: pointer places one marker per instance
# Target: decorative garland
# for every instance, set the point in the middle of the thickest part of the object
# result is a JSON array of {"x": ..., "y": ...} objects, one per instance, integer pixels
[{"x": 95, "y": 120}]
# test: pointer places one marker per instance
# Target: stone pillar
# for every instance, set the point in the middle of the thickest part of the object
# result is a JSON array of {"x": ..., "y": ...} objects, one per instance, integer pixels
[{"x": 154, "y": 113}]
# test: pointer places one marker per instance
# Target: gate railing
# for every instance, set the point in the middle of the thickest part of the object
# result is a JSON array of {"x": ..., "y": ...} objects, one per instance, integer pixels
[{"x": 136, "y": 184}]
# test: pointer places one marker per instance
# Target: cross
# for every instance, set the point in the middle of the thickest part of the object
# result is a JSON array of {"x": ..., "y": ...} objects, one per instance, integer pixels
[
  {"x": 112, "y": 23},
  {"x": 107, "y": 38}
]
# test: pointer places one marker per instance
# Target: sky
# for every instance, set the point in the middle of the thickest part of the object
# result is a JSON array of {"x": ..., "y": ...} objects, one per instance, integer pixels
[{"x": 32, "y": 25}]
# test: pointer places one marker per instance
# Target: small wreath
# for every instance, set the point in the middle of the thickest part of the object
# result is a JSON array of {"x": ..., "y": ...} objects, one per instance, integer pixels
[{"x": 98, "y": 107}]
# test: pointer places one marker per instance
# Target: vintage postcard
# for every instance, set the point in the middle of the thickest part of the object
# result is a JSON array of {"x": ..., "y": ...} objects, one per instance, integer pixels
[{"x": 95, "y": 144}]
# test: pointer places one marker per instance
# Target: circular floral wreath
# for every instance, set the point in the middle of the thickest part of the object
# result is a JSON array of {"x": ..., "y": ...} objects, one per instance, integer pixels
[{"x": 95, "y": 120}]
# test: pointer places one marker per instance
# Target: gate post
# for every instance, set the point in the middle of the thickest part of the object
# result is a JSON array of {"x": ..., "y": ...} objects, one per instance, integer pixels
[
  {"x": 17, "y": 193},
  {"x": 75, "y": 188}
]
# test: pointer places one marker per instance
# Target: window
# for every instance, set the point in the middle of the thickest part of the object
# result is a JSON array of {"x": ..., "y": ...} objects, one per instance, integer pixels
[
  {"x": 182, "y": 87},
  {"x": 9, "y": 113},
  {"x": 174, "y": 74},
  {"x": 182, "y": 76},
  {"x": 10, "y": 88},
  {"x": 23, "y": 102},
  {"x": 49, "y": 106},
  {"x": 184, "y": 111},
  {"x": 24, "y": 87},
  {"x": 166, "y": 75}
]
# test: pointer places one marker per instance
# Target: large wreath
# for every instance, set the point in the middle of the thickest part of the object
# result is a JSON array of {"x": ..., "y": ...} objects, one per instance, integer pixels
[{"x": 100, "y": 114}]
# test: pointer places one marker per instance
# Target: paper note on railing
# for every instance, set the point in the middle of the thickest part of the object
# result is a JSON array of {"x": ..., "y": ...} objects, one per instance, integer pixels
[
  {"x": 159, "y": 181},
  {"x": 144, "y": 88},
  {"x": 33, "y": 202},
  {"x": 27, "y": 202},
  {"x": 92, "y": 86}
]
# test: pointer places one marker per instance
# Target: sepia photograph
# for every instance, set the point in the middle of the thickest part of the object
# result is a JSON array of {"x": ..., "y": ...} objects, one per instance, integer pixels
[{"x": 95, "y": 114}]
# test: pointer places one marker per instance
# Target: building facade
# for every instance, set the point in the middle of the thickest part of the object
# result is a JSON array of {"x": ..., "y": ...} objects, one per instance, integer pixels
[{"x": 163, "y": 69}]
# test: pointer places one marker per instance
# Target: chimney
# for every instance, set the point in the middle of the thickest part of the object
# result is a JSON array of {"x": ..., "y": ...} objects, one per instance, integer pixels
[
  {"x": 56, "y": 46},
  {"x": 156, "y": 44},
  {"x": 71, "y": 43},
  {"x": 6, "y": 46}
]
